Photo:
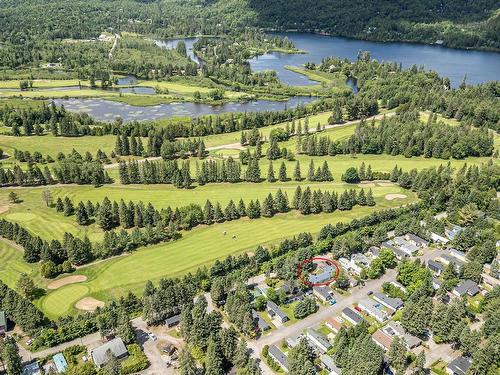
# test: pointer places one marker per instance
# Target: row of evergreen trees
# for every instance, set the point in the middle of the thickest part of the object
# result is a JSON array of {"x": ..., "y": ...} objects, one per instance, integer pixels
[{"x": 37, "y": 157}]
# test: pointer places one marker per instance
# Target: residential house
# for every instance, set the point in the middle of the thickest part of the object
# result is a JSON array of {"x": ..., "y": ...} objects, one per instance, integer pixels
[
  {"x": 447, "y": 259},
  {"x": 382, "y": 340},
  {"x": 279, "y": 357},
  {"x": 406, "y": 246},
  {"x": 116, "y": 347},
  {"x": 350, "y": 266},
  {"x": 31, "y": 369},
  {"x": 466, "y": 287},
  {"x": 458, "y": 254},
  {"x": 3, "y": 323},
  {"x": 323, "y": 293},
  {"x": 361, "y": 260},
  {"x": 323, "y": 277},
  {"x": 452, "y": 233},
  {"x": 275, "y": 312},
  {"x": 435, "y": 267},
  {"x": 394, "y": 329},
  {"x": 173, "y": 321},
  {"x": 487, "y": 280},
  {"x": 374, "y": 251},
  {"x": 400, "y": 254},
  {"x": 439, "y": 239},
  {"x": 60, "y": 362},
  {"x": 459, "y": 366},
  {"x": 416, "y": 240},
  {"x": 370, "y": 307},
  {"x": 292, "y": 341},
  {"x": 329, "y": 365},
  {"x": 436, "y": 283},
  {"x": 319, "y": 341},
  {"x": 389, "y": 302},
  {"x": 259, "y": 322},
  {"x": 333, "y": 324},
  {"x": 351, "y": 316}
]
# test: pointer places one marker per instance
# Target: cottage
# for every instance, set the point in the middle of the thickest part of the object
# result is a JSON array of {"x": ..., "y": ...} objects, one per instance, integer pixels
[
  {"x": 400, "y": 254},
  {"x": 394, "y": 329},
  {"x": 260, "y": 323},
  {"x": 116, "y": 347},
  {"x": 3, "y": 323},
  {"x": 447, "y": 259},
  {"x": 436, "y": 238},
  {"x": 275, "y": 312},
  {"x": 350, "y": 266},
  {"x": 416, "y": 240},
  {"x": 323, "y": 293},
  {"x": 329, "y": 365},
  {"x": 406, "y": 246},
  {"x": 435, "y": 267},
  {"x": 468, "y": 287},
  {"x": 279, "y": 357},
  {"x": 458, "y": 254},
  {"x": 459, "y": 366},
  {"x": 173, "y": 321},
  {"x": 60, "y": 362},
  {"x": 452, "y": 233},
  {"x": 318, "y": 341},
  {"x": 382, "y": 339},
  {"x": 323, "y": 277},
  {"x": 333, "y": 324},
  {"x": 392, "y": 303},
  {"x": 373, "y": 251},
  {"x": 351, "y": 316},
  {"x": 370, "y": 307},
  {"x": 487, "y": 280}
]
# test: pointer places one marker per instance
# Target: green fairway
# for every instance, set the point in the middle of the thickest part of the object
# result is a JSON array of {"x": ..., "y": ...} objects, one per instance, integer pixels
[
  {"x": 12, "y": 264},
  {"x": 197, "y": 248}
]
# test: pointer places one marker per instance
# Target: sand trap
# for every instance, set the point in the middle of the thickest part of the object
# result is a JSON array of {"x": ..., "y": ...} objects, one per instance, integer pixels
[
  {"x": 89, "y": 304},
  {"x": 367, "y": 184},
  {"x": 391, "y": 197},
  {"x": 66, "y": 281},
  {"x": 385, "y": 183},
  {"x": 250, "y": 254}
]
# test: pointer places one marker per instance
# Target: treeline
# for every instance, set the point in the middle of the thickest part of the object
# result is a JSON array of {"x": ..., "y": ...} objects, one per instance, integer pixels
[
  {"x": 66, "y": 171},
  {"x": 37, "y": 157},
  {"x": 404, "y": 134},
  {"x": 109, "y": 215}
]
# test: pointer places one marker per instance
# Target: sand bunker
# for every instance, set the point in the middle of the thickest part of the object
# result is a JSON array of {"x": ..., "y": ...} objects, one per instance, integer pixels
[
  {"x": 89, "y": 304},
  {"x": 367, "y": 184},
  {"x": 385, "y": 183},
  {"x": 391, "y": 197},
  {"x": 66, "y": 281}
]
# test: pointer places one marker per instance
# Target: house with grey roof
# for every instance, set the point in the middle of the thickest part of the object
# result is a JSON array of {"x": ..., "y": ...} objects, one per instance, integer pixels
[
  {"x": 466, "y": 287},
  {"x": 322, "y": 293},
  {"x": 394, "y": 329},
  {"x": 437, "y": 238},
  {"x": 279, "y": 357},
  {"x": 115, "y": 347},
  {"x": 452, "y": 233},
  {"x": 351, "y": 316},
  {"x": 373, "y": 251},
  {"x": 361, "y": 260},
  {"x": 329, "y": 365},
  {"x": 459, "y": 366},
  {"x": 31, "y": 369},
  {"x": 292, "y": 341},
  {"x": 447, "y": 259},
  {"x": 416, "y": 240},
  {"x": 323, "y": 277},
  {"x": 173, "y": 321},
  {"x": 392, "y": 303},
  {"x": 259, "y": 322},
  {"x": 457, "y": 254},
  {"x": 400, "y": 254},
  {"x": 436, "y": 283},
  {"x": 3, "y": 323},
  {"x": 319, "y": 341},
  {"x": 370, "y": 307},
  {"x": 275, "y": 312},
  {"x": 435, "y": 267}
]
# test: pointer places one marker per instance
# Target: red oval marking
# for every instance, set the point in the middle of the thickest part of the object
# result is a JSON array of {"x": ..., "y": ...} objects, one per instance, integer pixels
[{"x": 330, "y": 262}]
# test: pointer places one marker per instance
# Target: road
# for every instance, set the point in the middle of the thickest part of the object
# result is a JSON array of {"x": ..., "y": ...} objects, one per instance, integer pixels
[{"x": 358, "y": 293}]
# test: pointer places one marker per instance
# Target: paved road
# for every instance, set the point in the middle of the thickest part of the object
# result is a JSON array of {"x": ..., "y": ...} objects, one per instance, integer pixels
[{"x": 283, "y": 332}]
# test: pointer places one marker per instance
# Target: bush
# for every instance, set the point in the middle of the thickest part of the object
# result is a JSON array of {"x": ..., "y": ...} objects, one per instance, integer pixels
[{"x": 137, "y": 360}]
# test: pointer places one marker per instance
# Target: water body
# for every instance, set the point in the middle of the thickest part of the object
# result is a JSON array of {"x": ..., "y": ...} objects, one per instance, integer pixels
[
  {"x": 106, "y": 110},
  {"x": 172, "y": 44},
  {"x": 479, "y": 66}
]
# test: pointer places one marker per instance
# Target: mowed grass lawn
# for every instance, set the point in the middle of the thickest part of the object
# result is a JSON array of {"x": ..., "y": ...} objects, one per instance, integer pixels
[
  {"x": 197, "y": 248},
  {"x": 12, "y": 264}
]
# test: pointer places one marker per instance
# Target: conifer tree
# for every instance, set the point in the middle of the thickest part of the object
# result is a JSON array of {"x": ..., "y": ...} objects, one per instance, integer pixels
[
  {"x": 296, "y": 174},
  {"x": 282, "y": 172},
  {"x": 311, "y": 171},
  {"x": 68, "y": 207},
  {"x": 105, "y": 216},
  {"x": 369, "y": 198},
  {"x": 281, "y": 202},
  {"x": 208, "y": 213},
  {"x": 361, "y": 198},
  {"x": 297, "y": 197},
  {"x": 82, "y": 218},
  {"x": 59, "y": 205},
  {"x": 305, "y": 202},
  {"x": 218, "y": 214},
  {"x": 270, "y": 173},
  {"x": 241, "y": 208}
]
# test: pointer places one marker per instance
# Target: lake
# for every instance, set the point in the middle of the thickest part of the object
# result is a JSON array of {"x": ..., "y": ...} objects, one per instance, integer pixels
[{"x": 479, "y": 66}]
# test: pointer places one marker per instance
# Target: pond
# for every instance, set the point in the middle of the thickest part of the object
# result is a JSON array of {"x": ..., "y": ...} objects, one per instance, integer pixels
[
  {"x": 479, "y": 66},
  {"x": 106, "y": 110},
  {"x": 172, "y": 43}
]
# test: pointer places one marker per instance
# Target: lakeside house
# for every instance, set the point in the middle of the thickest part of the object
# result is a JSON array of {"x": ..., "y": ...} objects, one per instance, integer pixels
[
  {"x": 466, "y": 287},
  {"x": 351, "y": 316},
  {"x": 459, "y": 366},
  {"x": 116, "y": 347},
  {"x": 370, "y": 307},
  {"x": 279, "y": 357},
  {"x": 275, "y": 312},
  {"x": 389, "y": 302},
  {"x": 318, "y": 341},
  {"x": 323, "y": 293}
]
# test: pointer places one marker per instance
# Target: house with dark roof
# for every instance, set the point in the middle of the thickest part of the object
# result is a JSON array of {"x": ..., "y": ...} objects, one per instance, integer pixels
[
  {"x": 329, "y": 365},
  {"x": 459, "y": 366},
  {"x": 3, "y": 323},
  {"x": 447, "y": 259},
  {"x": 275, "y": 312},
  {"x": 323, "y": 293},
  {"x": 31, "y": 369},
  {"x": 351, "y": 316},
  {"x": 279, "y": 357},
  {"x": 173, "y": 321},
  {"x": 466, "y": 287},
  {"x": 400, "y": 254},
  {"x": 259, "y": 322},
  {"x": 389, "y": 302},
  {"x": 435, "y": 267},
  {"x": 319, "y": 341},
  {"x": 416, "y": 240},
  {"x": 115, "y": 347}
]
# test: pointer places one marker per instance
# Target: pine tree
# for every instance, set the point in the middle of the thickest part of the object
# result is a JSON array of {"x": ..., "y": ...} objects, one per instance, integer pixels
[
  {"x": 305, "y": 202},
  {"x": 105, "y": 217},
  {"x": 296, "y": 173},
  {"x": 241, "y": 208},
  {"x": 68, "y": 207},
  {"x": 301, "y": 359},
  {"x": 82, "y": 218},
  {"x": 187, "y": 364},
  {"x": 208, "y": 213},
  {"x": 270, "y": 173},
  {"x": 397, "y": 355},
  {"x": 214, "y": 363},
  {"x": 59, "y": 205},
  {"x": 369, "y": 198},
  {"x": 282, "y": 172},
  {"x": 281, "y": 202},
  {"x": 268, "y": 209},
  {"x": 361, "y": 198},
  {"x": 9, "y": 353},
  {"x": 218, "y": 214},
  {"x": 311, "y": 171},
  {"x": 362, "y": 172},
  {"x": 326, "y": 174},
  {"x": 297, "y": 197}
]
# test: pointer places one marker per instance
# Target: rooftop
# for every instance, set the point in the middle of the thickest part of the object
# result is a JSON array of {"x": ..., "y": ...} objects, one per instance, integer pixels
[
  {"x": 466, "y": 287},
  {"x": 393, "y": 303},
  {"x": 3, "y": 320},
  {"x": 116, "y": 346},
  {"x": 60, "y": 362},
  {"x": 353, "y": 315},
  {"x": 460, "y": 365},
  {"x": 276, "y": 310},
  {"x": 278, "y": 355}
]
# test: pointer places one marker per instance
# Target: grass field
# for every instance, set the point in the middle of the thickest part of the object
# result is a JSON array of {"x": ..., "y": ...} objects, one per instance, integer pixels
[
  {"x": 197, "y": 248},
  {"x": 12, "y": 264}
]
